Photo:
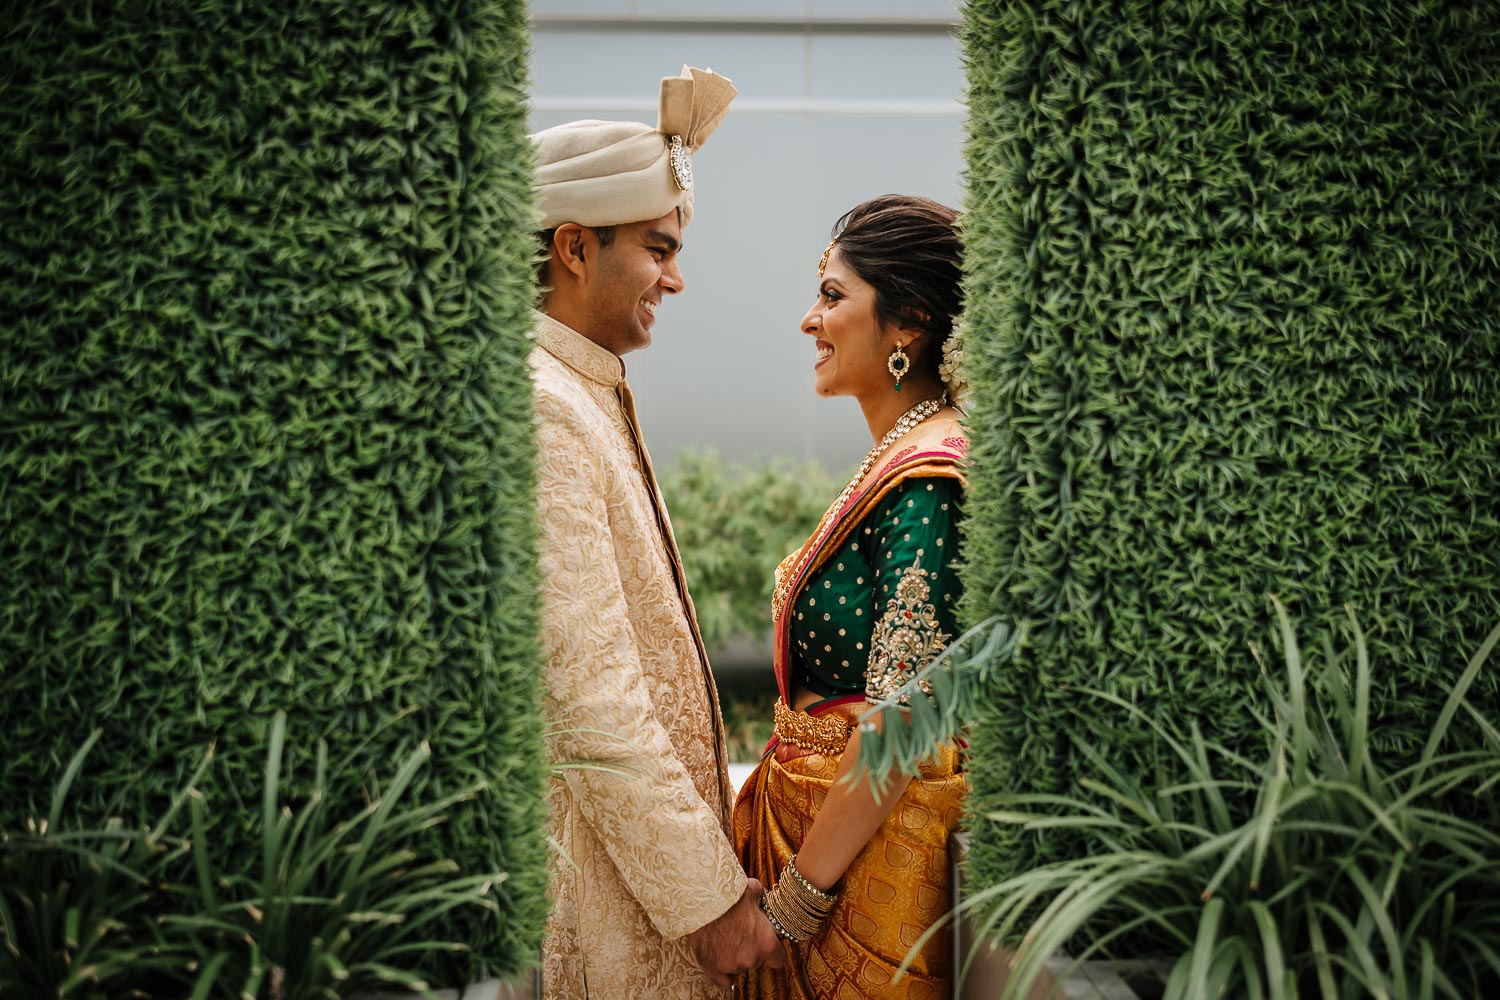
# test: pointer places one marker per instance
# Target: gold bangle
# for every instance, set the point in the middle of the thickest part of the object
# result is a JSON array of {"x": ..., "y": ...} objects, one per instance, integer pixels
[
  {"x": 781, "y": 931},
  {"x": 800, "y": 894},
  {"x": 795, "y": 907},
  {"x": 795, "y": 926},
  {"x": 829, "y": 897}
]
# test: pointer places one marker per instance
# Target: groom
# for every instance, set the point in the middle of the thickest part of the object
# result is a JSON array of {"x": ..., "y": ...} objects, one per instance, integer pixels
[{"x": 648, "y": 898}]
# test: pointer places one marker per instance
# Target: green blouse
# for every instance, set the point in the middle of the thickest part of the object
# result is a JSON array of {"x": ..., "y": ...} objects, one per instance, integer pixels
[{"x": 882, "y": 606}]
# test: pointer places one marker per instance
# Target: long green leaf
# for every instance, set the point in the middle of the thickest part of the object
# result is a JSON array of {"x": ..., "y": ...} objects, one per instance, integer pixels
[
  {"x": 1204, "y": 944},
  {"x": 1270, "y": 948},
  {"x": 1455, "y": 698},
  {"x": 271, "y": 796},
  {"x": 1359, "y": 960},
  {"x": 1375, "y": 910},
  {"x": 65, "y": 783},
  {"x": 1358, "y": 750}
]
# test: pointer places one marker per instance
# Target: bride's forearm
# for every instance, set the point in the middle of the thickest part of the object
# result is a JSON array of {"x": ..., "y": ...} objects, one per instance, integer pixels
[{"x": 847, "y": 820}]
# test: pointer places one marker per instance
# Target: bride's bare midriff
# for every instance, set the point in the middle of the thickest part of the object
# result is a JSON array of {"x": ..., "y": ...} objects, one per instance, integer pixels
[{"x": 802, "y": 697}]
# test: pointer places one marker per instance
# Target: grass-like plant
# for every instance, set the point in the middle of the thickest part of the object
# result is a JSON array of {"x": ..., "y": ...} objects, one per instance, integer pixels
[
  {"x": 75, "y": 905},
  {"x": 337, "y": 903},
  {"x": 1347, "y": 879}
]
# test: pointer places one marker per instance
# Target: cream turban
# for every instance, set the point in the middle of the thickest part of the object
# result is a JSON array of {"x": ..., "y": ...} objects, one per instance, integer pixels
[{"x": 598, "y": 173}]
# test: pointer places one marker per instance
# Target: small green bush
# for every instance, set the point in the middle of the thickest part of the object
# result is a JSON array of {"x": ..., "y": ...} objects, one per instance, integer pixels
[
  {"x": 265, "y": 281},
  {"x": 78, "y": 904},
  {"x": 1234, "y": 313},
  {"x": 733, "y": 526}
]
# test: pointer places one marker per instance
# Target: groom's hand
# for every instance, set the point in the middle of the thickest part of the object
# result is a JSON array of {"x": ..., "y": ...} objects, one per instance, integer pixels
[{"x": 737, "y": 941}]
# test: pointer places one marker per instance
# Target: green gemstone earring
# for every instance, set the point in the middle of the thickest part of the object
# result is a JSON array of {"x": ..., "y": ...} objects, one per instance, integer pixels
[{"x": 898, "y": 365}]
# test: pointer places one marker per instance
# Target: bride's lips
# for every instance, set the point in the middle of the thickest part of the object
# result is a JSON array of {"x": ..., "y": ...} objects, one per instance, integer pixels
[{"x": 825, "y": 351}]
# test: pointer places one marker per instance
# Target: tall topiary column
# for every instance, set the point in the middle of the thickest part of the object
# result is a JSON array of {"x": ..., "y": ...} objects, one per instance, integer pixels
[
  {"x": 1233, "y": 292},
  {"x": 265, "y": 442}
]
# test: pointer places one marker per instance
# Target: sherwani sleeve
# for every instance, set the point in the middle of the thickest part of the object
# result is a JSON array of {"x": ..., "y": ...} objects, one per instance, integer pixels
[{"x": 664, "y": 840}]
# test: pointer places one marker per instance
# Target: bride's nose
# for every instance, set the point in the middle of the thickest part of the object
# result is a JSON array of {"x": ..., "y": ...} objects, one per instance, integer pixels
[{"x": 810, "y": 321}]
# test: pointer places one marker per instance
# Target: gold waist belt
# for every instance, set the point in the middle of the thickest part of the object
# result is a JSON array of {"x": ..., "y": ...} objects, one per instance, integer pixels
[{"x": 824, "y": 734}]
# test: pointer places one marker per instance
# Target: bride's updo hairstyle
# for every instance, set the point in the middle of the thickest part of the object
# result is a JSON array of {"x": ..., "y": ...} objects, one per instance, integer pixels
[{"x": 908, "y": 249}]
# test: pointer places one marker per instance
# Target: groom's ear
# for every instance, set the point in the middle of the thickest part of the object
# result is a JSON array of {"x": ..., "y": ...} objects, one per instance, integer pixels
[{"x": 574, "y": 248}]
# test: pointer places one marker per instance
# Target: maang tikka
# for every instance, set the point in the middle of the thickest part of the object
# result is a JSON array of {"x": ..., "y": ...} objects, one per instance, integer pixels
[
  {"x": 823, "y": 264},
  {"x": 898, "y": 364}
]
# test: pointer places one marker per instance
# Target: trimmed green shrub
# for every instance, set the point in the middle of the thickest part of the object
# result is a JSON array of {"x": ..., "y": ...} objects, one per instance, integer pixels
[
  {"x": 265, "y": 273},
  {"x": 1234, "y": 305}
]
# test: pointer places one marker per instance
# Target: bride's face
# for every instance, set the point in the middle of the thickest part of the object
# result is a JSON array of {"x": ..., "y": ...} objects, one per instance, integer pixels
[{"x": 852, "y": 344}]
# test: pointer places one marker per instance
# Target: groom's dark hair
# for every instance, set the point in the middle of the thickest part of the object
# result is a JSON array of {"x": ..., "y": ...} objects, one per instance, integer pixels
[{"x": 908, "y": 248}]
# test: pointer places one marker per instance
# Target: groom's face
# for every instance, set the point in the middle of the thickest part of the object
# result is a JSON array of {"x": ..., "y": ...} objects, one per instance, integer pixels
[{"x": 629, "y": 279}]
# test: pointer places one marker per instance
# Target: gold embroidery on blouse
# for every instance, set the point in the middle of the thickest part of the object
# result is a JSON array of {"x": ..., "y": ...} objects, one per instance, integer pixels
[{"x": 906, "y": 638}]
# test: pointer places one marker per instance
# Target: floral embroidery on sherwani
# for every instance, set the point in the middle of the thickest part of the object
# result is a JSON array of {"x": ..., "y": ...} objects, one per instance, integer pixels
[
  {"x": 639, "y": 793},
  {"x": 906, "y": 638}
]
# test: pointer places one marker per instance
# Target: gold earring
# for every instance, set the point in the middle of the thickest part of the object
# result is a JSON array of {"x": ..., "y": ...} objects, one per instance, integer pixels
[{"x": 898, "y": 364}]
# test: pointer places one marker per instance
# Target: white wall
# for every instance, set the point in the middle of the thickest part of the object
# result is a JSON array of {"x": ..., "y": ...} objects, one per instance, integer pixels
[{"x": 839, "y": 101}]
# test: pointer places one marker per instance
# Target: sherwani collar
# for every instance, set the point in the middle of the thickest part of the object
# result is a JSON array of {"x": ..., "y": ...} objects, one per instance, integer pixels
[{"x": 578, "y": 352}]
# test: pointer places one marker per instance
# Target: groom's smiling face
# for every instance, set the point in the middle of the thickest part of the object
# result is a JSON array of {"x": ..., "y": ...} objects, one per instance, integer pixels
[
  {"x": 851, "y": 345},
  {"x": 629, "y": 279}
]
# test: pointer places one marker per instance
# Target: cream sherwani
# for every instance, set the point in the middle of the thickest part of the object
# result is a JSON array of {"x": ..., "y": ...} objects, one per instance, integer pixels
[{"x": 641, "y": 798}]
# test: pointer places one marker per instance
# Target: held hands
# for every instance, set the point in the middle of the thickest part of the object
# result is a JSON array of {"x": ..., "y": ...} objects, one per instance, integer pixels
[{"x": 737, "y": 941}]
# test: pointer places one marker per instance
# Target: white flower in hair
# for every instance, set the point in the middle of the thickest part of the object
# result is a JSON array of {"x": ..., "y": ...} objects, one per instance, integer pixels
[{"x": 951, "y": 368}]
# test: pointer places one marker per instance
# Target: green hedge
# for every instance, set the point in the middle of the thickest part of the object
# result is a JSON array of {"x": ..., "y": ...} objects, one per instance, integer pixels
[
  {"x": 1233, "y": 283},
  {"x": 265, "y": 278}
]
